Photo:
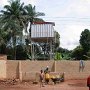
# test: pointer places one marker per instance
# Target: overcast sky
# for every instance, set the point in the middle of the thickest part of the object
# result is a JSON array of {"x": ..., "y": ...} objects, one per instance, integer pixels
[{"x": 71, "y": 17}]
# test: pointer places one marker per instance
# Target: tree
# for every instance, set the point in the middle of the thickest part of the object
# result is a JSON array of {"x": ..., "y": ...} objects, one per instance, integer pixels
[
  {"x": 32, "y": 16},
  {"x": 58, "y": 56},
  {"x": 56, "y": 40},
  {"x": 4, "y": 38},
  {"x": 66, "y": 54},
  {"x": 88, "y": 55},
  {"x": 13, "y": 19},
  {"x": 3, "y": 41},
  {"x": 85, "y": 43},
  {"x": 78, "y": 53},
  {"x": 85, "y": 40},
  {"x": 21, "y": 55}
]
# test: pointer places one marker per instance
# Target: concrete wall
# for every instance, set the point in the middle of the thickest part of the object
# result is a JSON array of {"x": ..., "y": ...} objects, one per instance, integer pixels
[
  {"x": 12, "y": 70},
  {"x": 2, "y": 69},
  {"x": 29, "y": 66},
  {"x": 3, "y": 57},
  {"x": 71, "y": 69},
  {"x": 26, "y": 70}
]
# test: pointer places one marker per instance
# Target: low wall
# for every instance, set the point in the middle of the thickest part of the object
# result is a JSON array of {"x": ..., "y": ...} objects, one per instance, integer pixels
[
  {"x": 3, "y": 57},
  {"x": 26, "y": 70},
  {"x": 29, "y": 66},
  {"x": 2, "y": 69},
  {"x": 71, "y": 69},
  {"x": 12, "y": 70}
]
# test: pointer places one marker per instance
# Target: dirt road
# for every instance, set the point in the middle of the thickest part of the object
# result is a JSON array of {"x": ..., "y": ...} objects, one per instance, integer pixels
[{"x": 67, "y": 85}]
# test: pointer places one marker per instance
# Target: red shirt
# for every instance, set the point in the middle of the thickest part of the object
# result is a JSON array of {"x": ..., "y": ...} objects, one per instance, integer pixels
[{"x": 88, "y": 81}]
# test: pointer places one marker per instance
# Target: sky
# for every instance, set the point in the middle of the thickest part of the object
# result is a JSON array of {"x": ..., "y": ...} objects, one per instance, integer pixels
[{"x": 71, "y": 17}]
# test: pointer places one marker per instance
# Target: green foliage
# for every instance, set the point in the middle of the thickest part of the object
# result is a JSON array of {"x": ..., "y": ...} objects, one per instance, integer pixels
[
  {"x": 32, "y": 16},
  {"x": 66, "y": 54},
  {"x": 85, "y": 40},
  {"x": 87, "y": 56},
  {"x": 12, "y": 18},
  {"x": 2, "y": 49},
  {"x": 56, "y": 40},
  {"x": 85, "y": 43},
  {"x": 82, "y": 51},
  {"x": 42, "y": 57},
  {"x": 77, "y": 53},
  {"x": 27, "y": 41},
  {"x": 58, "y": 56},
  {"x": 21, "y": 53},
  {"x": 4, "y": 38},
  {"x": 10, "y": 53}
]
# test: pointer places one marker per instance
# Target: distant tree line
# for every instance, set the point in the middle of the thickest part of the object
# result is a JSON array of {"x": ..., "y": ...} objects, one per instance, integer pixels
[{"x": 80, "y": 52}]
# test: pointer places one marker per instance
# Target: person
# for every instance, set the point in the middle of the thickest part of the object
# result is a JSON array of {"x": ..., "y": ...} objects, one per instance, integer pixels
[
  {"x": 81, "y": 65},
  {"x": 88, "y": 82},
  {"x": 41, "y": 78},
  {"x": 46, "y": 70},
  {"x": 47, "y": 77}
]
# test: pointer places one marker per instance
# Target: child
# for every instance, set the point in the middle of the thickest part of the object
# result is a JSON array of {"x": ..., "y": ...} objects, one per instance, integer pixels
[{"x": 41, "y": 78}]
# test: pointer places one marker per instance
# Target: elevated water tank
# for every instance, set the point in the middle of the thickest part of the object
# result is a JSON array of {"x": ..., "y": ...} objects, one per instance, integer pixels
[{"x": 41, "y": 31}]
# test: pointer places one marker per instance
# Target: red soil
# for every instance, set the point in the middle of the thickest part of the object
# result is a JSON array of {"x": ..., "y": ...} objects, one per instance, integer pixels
[{"x": 67, "y": 85}]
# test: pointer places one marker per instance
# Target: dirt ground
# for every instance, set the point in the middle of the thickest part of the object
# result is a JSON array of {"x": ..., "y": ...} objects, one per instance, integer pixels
[{"x": 66, "y": 85}]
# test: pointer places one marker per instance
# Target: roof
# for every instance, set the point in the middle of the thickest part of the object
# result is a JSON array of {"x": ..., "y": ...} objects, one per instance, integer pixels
[{"x": 44, "y": 23}]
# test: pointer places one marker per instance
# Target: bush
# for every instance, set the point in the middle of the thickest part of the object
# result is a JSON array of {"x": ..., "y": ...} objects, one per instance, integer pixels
[
  {"x": 21, "y": 53},
  {"x": 20, "y": 50}
]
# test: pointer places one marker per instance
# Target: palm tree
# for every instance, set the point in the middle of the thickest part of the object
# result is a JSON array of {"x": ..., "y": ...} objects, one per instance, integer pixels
[
  {"x": 13, "y": 19},
  {"x": 32, "y": 15},
  {"x": 4, "y": 38}
]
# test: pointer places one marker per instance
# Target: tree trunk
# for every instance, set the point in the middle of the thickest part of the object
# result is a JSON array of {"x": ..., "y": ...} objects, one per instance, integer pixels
[
  {"x": 30, "y": 38},
  {"x": 14, "y": 46}
]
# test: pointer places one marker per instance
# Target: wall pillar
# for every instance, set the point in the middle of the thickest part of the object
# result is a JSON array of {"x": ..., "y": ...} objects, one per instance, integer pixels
[
  {"x": 3, "y": 69},
  {"x": 20, "y": 71},
  {"x": 54, "y": 66}
]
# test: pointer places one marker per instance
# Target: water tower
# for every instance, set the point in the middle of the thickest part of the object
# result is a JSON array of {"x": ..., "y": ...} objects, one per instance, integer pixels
[{"x": 42, "y": 32}]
